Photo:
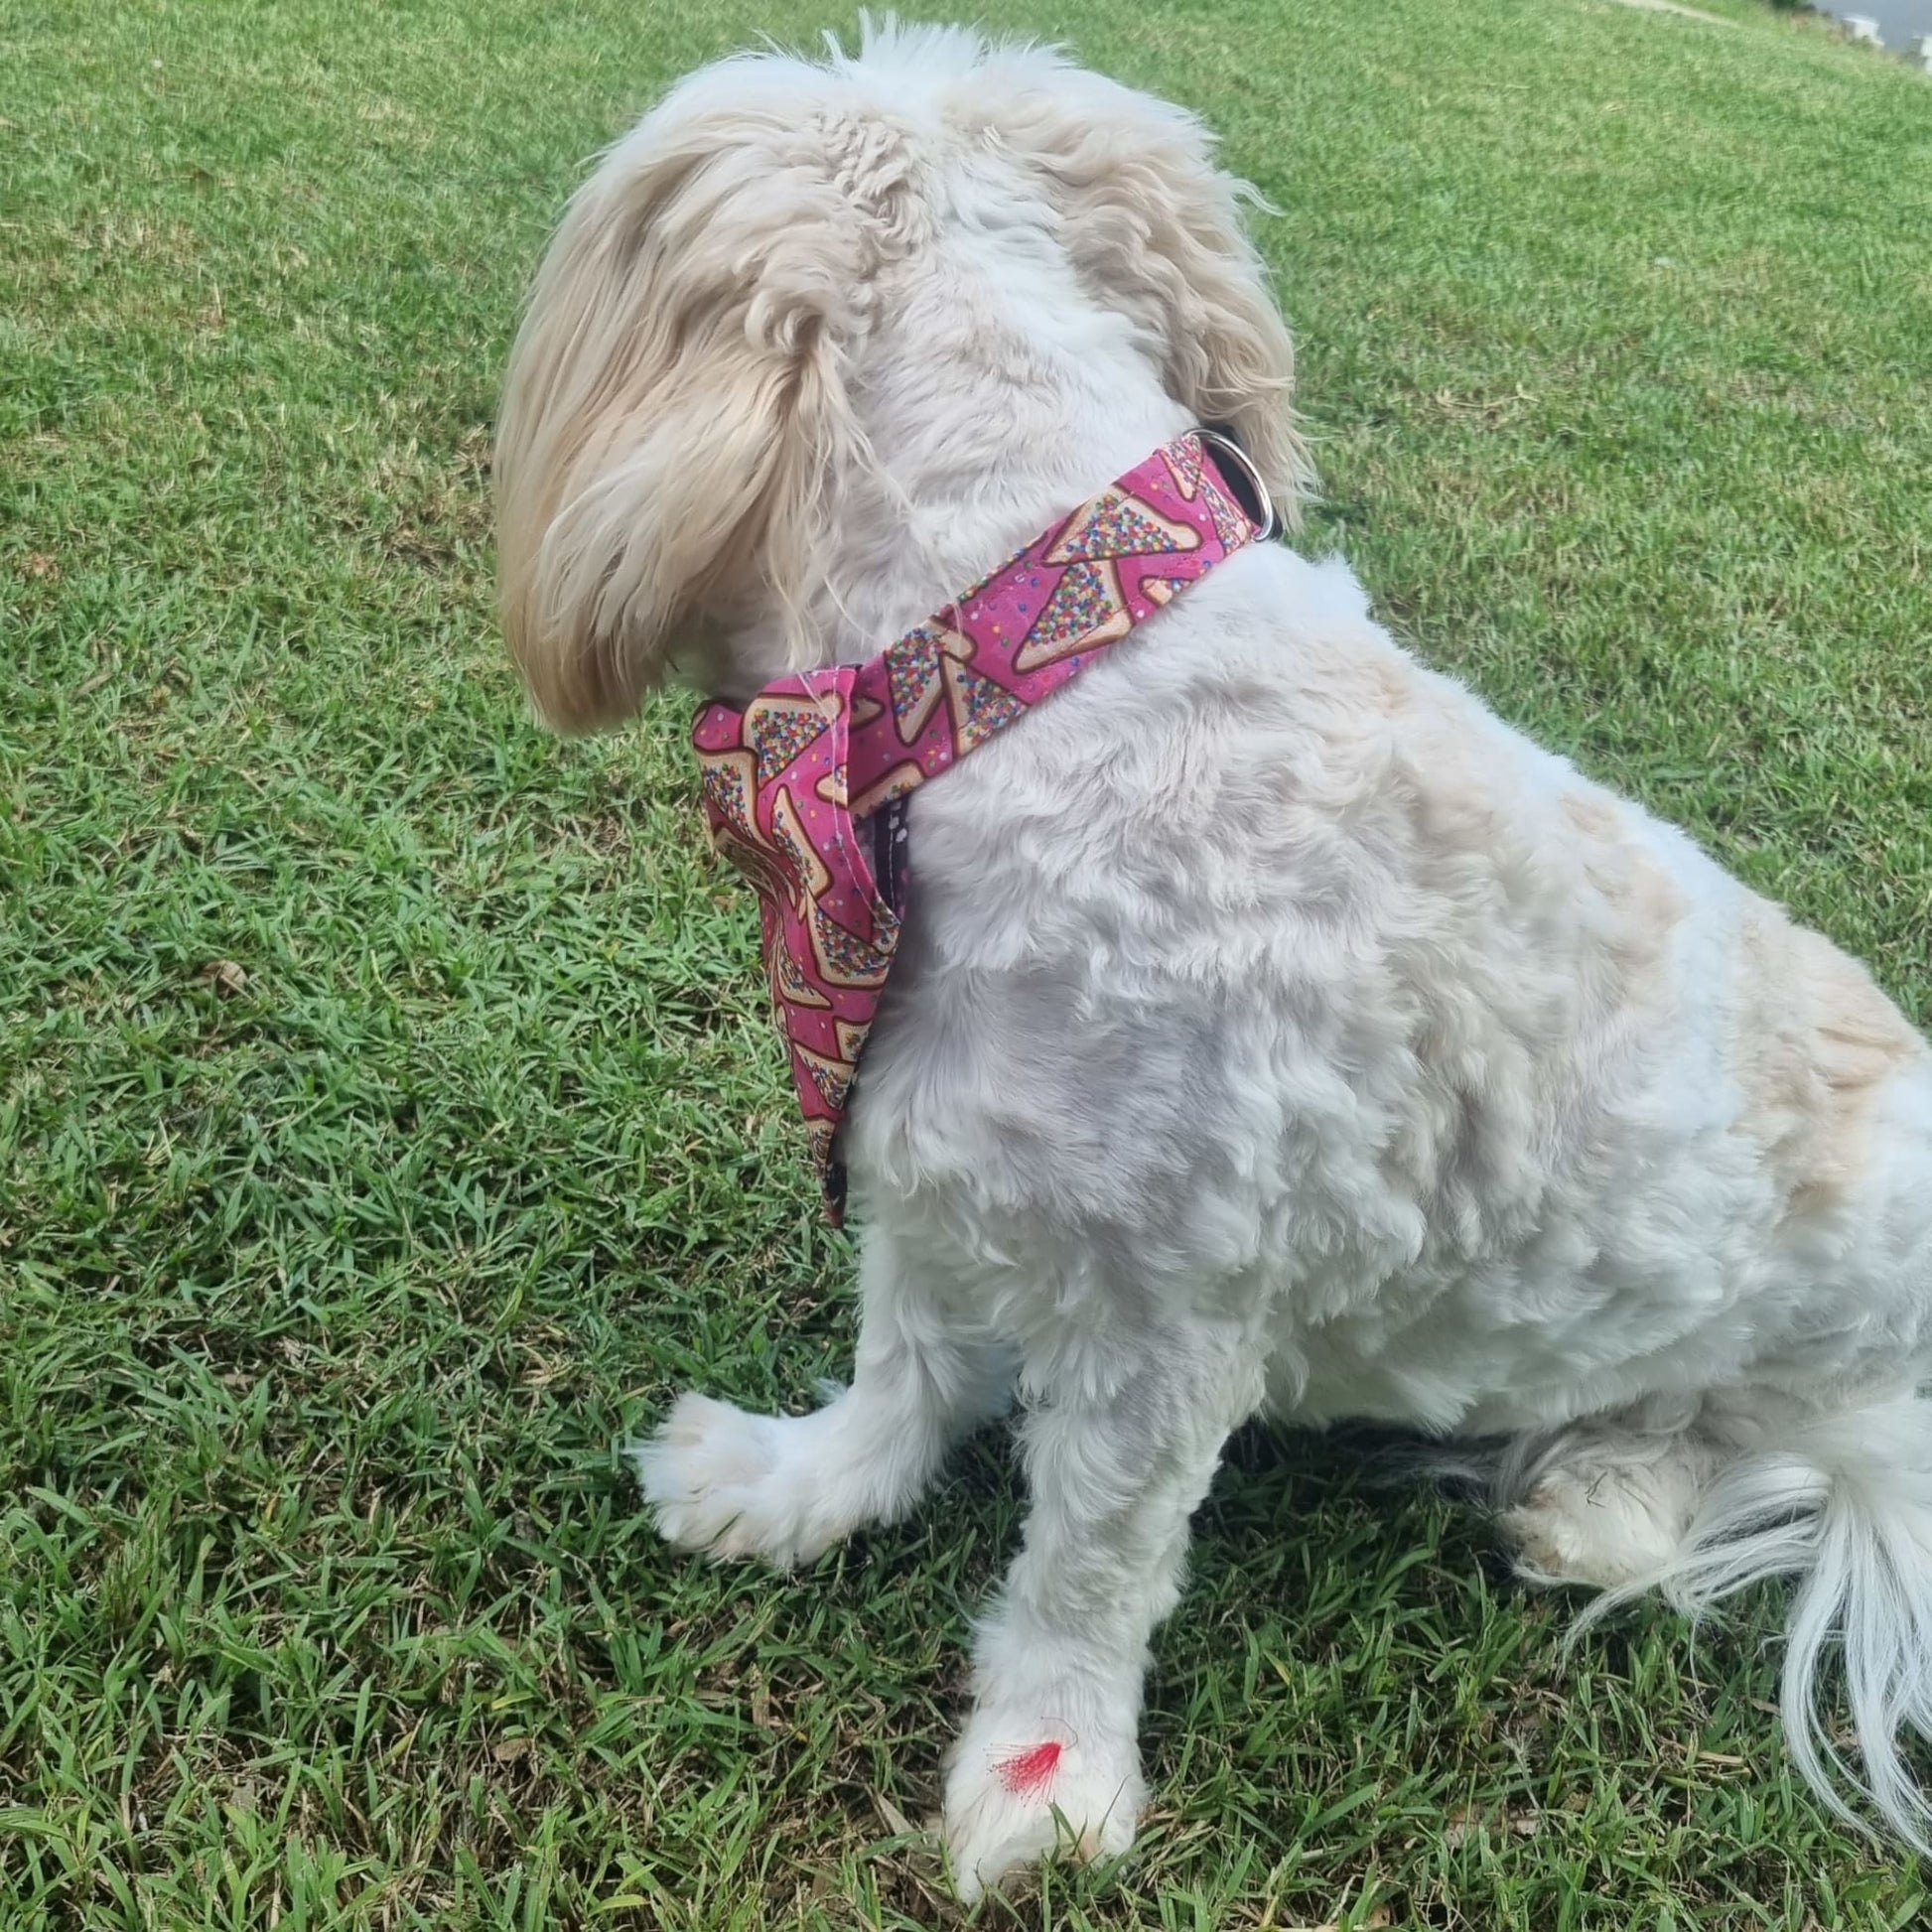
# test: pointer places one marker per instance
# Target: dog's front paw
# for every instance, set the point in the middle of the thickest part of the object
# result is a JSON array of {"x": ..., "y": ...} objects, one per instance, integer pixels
[
  {"x": 717, "y": 1481},
  {"x": 1018, "y": 1794}
]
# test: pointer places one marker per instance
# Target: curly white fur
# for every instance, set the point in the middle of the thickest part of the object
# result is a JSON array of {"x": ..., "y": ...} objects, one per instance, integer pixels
[{"x": 1275, "y": 1028}]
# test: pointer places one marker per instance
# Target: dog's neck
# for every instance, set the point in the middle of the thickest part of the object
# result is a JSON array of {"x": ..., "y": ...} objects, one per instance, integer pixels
[{"x": 1001, "y": 395}]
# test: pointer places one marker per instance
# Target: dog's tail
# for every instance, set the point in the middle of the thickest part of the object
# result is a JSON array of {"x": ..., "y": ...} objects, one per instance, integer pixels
[{"x": 1841, "y": 1504}]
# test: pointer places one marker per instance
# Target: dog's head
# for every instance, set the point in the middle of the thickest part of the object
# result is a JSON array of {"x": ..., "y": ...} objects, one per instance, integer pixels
[{"x": 686, "y": 412}]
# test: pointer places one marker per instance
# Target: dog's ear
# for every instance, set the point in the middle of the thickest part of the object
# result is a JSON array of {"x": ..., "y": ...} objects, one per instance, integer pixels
[
  {"x": 675, "y": 402},
  {"x": 1154, "y": 228}
]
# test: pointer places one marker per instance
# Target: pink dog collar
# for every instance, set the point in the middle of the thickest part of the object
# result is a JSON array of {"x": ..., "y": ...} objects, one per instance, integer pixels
[{"x": 791, "y": 780}]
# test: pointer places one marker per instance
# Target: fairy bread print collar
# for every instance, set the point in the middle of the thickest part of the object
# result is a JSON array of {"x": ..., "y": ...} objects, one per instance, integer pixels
[{"x": 804, "y": 789}]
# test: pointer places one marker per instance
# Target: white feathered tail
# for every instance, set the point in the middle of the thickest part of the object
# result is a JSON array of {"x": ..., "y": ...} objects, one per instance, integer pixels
[{"x": 1844, "y": 1505}]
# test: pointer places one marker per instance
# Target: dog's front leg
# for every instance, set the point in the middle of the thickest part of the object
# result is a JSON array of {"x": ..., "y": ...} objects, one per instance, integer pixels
[
  {"x": 788, "y": 1487},
  {"x": 1116, "y": 1463}
]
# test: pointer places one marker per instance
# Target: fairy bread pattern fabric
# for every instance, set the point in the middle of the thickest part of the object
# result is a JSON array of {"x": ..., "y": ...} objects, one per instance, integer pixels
[{"x": 792, "y": 782}]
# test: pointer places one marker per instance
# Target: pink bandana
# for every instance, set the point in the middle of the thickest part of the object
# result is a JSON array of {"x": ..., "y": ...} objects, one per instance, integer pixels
[{"x": 792, "y": 782}]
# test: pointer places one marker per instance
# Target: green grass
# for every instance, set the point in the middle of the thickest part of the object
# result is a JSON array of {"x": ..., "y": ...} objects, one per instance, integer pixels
[{"x": 388, "y": 1120}]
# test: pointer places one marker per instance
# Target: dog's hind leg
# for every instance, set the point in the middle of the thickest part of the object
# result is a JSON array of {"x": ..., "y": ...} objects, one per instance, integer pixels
[
  {"x": 1116, "y": 1461},
  {"x": 1837, "y": 1498},
  {"x": 788, "y": 1487},
  {"x": 1606, "y": 1502}
]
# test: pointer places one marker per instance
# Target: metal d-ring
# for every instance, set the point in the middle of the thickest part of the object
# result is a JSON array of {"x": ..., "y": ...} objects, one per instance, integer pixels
[{"x": 1271, "y": 525}]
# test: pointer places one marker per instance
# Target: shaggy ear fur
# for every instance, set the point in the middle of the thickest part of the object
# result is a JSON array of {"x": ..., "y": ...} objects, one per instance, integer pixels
[
  {"x": 676, "y": 417},
  {"x": 1154, "y": 228}
]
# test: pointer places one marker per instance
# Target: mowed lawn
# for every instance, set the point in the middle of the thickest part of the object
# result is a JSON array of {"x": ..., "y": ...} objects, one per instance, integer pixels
[{"x": 388, "y": 1117}]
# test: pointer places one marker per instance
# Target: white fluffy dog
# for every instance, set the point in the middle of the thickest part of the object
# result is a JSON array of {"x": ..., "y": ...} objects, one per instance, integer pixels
[{"x": 1275, "y": 1029}]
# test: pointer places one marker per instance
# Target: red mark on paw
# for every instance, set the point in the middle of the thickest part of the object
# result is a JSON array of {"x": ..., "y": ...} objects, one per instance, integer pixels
[{"x": 1025, "y": 1773}]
